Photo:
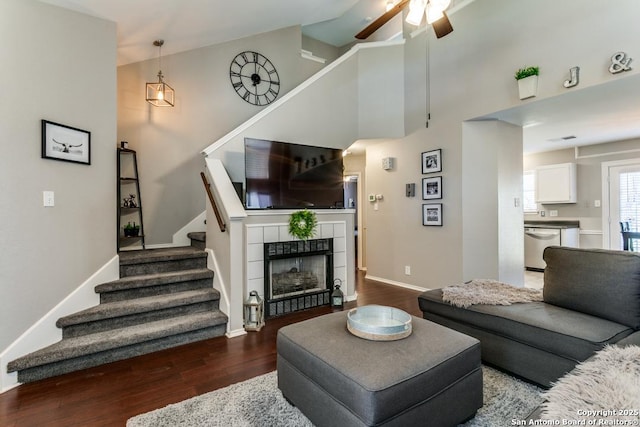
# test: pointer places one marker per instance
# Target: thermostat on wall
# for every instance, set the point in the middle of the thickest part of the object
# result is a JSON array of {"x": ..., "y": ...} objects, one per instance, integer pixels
[{"x": 387, "y": 163}]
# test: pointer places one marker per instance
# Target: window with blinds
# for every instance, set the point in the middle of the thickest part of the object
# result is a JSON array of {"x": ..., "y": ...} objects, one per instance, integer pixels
[
  {"x": 529, "y": 191},
  {"x": 630, "y": 199}
]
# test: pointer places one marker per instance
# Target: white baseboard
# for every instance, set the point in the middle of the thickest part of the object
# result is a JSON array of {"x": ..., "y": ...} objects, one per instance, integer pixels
[
  {"x": 219, "y": 285},
  {"x": 236, "y": 333},
  {"x": 44, "y": 332},
  {"x": 394, "y": 283}
]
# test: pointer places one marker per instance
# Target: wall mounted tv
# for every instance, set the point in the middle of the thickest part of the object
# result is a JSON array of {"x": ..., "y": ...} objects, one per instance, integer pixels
[{"x": 281, "y": 175}]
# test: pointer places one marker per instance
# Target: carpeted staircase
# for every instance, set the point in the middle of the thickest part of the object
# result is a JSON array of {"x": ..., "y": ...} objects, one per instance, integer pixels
[{"x": 164, "y": 298}]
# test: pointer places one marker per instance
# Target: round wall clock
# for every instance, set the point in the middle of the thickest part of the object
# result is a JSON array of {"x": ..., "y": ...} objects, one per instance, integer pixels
[{"x": 254, "y": 78}]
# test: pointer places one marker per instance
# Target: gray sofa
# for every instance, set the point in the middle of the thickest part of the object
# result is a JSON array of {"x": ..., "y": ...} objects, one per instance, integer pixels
[{"x": 591, "y": 299}]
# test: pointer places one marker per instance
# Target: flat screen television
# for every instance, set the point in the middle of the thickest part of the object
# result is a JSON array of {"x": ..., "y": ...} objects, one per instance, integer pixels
[{"x": 281, "y": 175}]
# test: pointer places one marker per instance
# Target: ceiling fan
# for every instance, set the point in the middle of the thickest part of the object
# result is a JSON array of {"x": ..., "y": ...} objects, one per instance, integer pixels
[{"x": 434, "y": 9}]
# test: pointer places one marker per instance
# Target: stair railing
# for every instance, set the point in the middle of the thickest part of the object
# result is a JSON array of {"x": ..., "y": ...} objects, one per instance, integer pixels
[{"x": 207, "y": 187}]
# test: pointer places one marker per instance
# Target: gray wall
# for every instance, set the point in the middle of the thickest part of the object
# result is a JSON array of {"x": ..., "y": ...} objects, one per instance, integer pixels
[
  {"x": 169, "y": 140},
  {"x": 59, "y": 66}
]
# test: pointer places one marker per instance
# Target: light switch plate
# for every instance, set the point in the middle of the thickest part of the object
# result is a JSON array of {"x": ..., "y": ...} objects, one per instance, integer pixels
[
  {"x": 410, "y": 189},
  {"x": 48, "y": 199}
]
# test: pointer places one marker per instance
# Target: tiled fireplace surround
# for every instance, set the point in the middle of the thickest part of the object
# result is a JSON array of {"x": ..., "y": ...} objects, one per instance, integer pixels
[{"x": 259, "y": 234}]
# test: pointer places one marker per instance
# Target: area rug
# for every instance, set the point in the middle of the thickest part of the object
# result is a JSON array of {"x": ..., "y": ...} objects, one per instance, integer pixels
[
  {"x": 258, "y": 403},
  {"x": 604, "y": 388},
  {"x": 485, "y": 291}
]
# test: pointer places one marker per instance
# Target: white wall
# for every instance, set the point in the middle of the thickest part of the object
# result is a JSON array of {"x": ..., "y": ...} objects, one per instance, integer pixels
[
  {"x": 60, "y": 66},
  {"x": 493, "y": 242},
  {"x": 169, "y": 140}
]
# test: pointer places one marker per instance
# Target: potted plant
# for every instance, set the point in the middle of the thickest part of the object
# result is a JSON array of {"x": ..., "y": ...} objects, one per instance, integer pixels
[
  {"x": 302, "y": 224},
  {"x": 527, "y": 78},
  {"x": 131, "y": 230}
]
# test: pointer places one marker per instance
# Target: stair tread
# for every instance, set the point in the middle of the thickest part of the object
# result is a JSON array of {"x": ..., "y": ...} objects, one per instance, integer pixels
[
  {"x": 162, "y": 254},
  {"x": 200, "y": 236},
  {"x": 138, "y": 305},
  {"x": 153, "y": 279},
  {"x": 69, "y": 348}
]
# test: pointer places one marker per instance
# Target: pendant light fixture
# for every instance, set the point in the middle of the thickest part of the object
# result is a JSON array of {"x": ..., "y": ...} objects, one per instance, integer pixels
[{"x": 159, "y": 93}]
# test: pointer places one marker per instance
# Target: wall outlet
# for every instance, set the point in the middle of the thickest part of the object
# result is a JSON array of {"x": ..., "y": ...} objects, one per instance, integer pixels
[
  {"x": 543, "y": 213},
  {"x": 553, "y": 213},
  {"x": 596, "y": 203},
  {"x": 407, "y": 270}
]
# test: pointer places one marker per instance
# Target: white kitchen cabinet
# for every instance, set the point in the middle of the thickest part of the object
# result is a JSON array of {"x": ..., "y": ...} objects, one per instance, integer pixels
[{"x": 556, "y": 183}]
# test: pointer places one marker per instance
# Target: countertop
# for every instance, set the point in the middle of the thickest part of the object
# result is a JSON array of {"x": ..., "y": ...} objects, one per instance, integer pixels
[{"x": 552, "y": 224}]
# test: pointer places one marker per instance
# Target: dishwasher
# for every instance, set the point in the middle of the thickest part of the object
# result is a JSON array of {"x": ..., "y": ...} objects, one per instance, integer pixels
[
  {"x": 540, "y": 234},
  {"x": 535, "y": 240}
]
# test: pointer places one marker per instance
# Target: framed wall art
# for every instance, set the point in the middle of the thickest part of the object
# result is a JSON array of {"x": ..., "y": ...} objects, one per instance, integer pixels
[
  {"x": 432, "y": 188},
  {"x": 432, "y": 161},
  {"x": 432, "y": 214},
  {"x": 61, "y": 142}
]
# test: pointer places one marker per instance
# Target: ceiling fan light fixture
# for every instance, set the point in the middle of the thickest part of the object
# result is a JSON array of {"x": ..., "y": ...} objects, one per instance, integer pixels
[
  {"x": 434, "y": 12},
  {"x": 440, "y": 4},
  {"x": 159, "y": 93},
  {"x": 416, "y": 12}
]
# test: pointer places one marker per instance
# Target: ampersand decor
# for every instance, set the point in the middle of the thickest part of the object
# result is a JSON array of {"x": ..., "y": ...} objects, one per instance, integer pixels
[
  {"x": 619, "y": 63},
  {"x": 302, "y": 224}
]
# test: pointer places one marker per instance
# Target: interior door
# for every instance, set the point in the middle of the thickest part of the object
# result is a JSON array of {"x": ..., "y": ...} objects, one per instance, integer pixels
[{"x": 624, "y": 200}]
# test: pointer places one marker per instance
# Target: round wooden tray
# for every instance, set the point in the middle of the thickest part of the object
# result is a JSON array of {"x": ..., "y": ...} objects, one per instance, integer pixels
[{"x": 379, "y": 323}]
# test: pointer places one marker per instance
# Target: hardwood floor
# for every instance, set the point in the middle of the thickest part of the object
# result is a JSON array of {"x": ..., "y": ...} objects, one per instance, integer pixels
[{"x": 109, "y": 395}]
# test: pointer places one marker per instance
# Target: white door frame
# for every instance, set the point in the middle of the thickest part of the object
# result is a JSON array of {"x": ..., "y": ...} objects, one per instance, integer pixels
[
  {"x": 359, "y": 210},
  {"x": 606, "y": 198}
]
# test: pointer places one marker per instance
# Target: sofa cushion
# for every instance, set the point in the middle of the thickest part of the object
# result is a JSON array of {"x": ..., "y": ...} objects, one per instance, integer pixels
[
  {"x": 554, "y": 329},
  {"x": 633, "y": 339},
  {"x": 600, "y": 282}
]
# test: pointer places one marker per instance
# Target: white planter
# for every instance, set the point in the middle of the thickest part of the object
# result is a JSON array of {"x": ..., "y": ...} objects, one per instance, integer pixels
[{"x": 528, "y": 87}]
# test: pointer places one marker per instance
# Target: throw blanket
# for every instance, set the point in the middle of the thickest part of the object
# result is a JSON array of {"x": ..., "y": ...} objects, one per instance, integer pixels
[
  {"x": 484, "y": 291},
  {"x": 604, "y": 390}
]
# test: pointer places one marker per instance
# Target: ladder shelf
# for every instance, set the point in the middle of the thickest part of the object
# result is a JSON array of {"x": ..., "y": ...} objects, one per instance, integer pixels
[{"x": 130, "y": 231}]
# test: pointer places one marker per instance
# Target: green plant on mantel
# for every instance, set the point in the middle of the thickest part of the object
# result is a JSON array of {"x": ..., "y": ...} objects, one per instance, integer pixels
[
  {"x": 302, "y": 224},
  {"x": 527, "y": 72}
]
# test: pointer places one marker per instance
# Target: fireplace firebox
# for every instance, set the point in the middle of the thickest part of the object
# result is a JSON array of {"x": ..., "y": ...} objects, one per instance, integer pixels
[{"x": 298, "y": 275}]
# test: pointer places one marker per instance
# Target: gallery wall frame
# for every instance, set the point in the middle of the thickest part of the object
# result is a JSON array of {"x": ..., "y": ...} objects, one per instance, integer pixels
[
  {"x": 65, "y": 143},
  {"x": 432, "y": 214},
  {"x": 432, "y": 161},
  {"x": 432, "y": 188}
]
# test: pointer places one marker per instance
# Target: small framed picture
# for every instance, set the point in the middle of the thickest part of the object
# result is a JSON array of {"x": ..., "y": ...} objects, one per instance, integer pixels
[
  {"x": 432, "y": 214},
  {"x": 432, "y": 188},
  {"x": 60, "y": 142},
  {"x": 432, "y": 161}
]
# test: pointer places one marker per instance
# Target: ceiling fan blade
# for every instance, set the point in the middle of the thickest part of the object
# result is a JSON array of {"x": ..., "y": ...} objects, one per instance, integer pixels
[
  {"x": 442, "y": 26},
  {"x": 375, "y": 25}
]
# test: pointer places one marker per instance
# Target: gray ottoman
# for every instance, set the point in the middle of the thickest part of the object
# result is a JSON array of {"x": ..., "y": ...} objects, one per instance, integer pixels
[{"x": 433, "y": 377}]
